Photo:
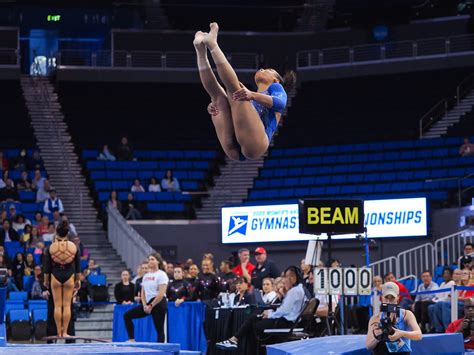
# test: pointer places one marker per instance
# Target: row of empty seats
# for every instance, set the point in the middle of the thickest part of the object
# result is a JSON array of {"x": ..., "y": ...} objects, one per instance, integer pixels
[
  {"x": 149, "y": 196},
  {"x": 92, "y": 154},
  {"x": 147, "y": 165},
  {"x": 26, "y": 317}
]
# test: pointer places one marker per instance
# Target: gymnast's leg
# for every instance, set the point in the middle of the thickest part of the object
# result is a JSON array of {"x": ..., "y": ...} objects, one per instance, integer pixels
[
  {"x": 221, "y": 116},
  {"x": 57, "y": 291},
  {"x": 248, "y": 127},
  {"x": 68, "y": 290}
]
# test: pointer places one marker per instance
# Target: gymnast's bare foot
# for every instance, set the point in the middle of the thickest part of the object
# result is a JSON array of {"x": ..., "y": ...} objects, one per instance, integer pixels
[{"x": 211, "y": 38}]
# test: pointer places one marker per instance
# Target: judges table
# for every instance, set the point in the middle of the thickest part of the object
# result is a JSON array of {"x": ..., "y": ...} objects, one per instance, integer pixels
[
  {"x": 431, "y": 344},
  {"x": 184, "y": 326}
]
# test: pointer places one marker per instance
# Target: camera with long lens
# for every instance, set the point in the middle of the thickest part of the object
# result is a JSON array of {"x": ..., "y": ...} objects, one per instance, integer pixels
[{"x": 386, "y": 324}]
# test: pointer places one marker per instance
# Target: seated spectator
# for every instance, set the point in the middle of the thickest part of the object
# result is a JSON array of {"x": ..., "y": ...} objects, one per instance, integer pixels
[
  {"x": 125, "y": 290},
  {"x": 334, "y": 263},
  {"x": 82, "y": 297},
  {"x": 24, "y": 182},
  {"x": 404, "y": 298},
  {"x": 83, "y": 251},
  {"x": 154, "y": 186},
  {"x": 106, "y": 154},
  {"x": 463, "y": 325},
  {"x": 113, "y": 201},
  {"x": 245, "y": 267},
  {"x": 49, "y": 236},
  {"x": 12, "y": 213},
  {"x": 137, "y": 187},
  {"x": 467, "y": 148},
  {"x": 269, "y": 296},
  {"x": 264, "y": 268},
  {"x": 39, "y": 249},
  {"x": 169, "y": 182},
  {"x": 71, "y": 226},
  {"x": 447, "y": 283},
  {"x": 468, "y": 248},
  {"x": 7, "y": 233},
  {"x": 36, "y": 162},
  {"x": 132, "y": 209},
  {"x": 92, "y": 269},
  {"x": 138, "y": 282},
  {"x": 3, "y": 161},
  {"x": 44, "y": 226},
  {"x": 179, "y": 290},
  {"x": 283, "y": 317},
  {"x": 18, "y": 270},
  {"x": 124, "y": 150},
  {"x": 21, "y": 161},
  {"x": 169, "y": 269},
  {"x": 207, "y": 283},
  {"x": 38, "y": 219},
  {"x": 38, "y": 291},
  {"x": 9, "y": 192},
  {"x": 44, "y": 192},
  {"x": 33, "y": 239},
  {"x": 3, "y": 215},
  {"x": 26, "y": 236},
  {"x": 53, "y": 203},
  {"x": 29, "y": 264},
  {"x": 20, "y": 223},
  {"x": 38, "y": 180},
  {"x": 420, "y": 306},
  {"x": 227, "y": 277},
  {"x": 244, "y": 296}
]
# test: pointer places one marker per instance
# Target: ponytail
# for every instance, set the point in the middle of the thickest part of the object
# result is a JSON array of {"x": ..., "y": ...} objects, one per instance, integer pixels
[{"x": 289, "y": 80}]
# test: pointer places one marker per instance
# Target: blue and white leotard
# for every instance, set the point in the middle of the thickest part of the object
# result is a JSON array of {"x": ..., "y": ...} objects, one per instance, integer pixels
[{"x": 268, "y": 115}]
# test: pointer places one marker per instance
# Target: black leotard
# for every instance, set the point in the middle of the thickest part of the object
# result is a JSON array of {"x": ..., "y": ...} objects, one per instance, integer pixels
[{"x": 62, "y": 273}]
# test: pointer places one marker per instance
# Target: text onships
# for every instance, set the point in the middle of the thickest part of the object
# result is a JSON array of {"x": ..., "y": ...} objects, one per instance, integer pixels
[{"x": 399, "y": 217}]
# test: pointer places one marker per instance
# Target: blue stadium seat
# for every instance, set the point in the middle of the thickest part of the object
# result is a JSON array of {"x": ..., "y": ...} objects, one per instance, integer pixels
[
  {"x": 145, "y": 175},
  {"x": 18, "y": 315},
  {"x": 365, "y": 189},
  {"x": 333, "y": 190},
  {"x": 19, "y": 296},
  {"x": 37, "y": 258},
  {"x": 102, "y": 185},
  {"x": 381, "y": 187},
  {"x": 31, "y": 207},
  {"x": 39, "y": 314},
  {"x": 27, "y": 195},
  {"x": 104, "y": 196},
  {"x": 144, "y": 196},
  {"x": 371, "y": 177},
  {"x": 28, "y": 283},
  {"x": 286, "y": 193},
  {"x": 164, "y": 196},
  {"x": 189, "y": 185},
  {"x": 37, "y": 304},
  {"x": 130, "y": 175},
  {"x": 97, "y": 280},
  {"x": 121, "y": 185},
  {"x": 196, "y": 175},
  {"x": 98, "y": 175},
  {"x": 261, "y": 183},
  {"x": 90, "y": 154},
  {"x": 276, "y": 183},
  {"x": 310, "y": 171},
  {"x": 114, "y": 175},
  {"x": 339, "y": 179},
  {"x": 302, "y": 192},
  {"x": 348, "y": 189},
  {"x": 95, "y": 165},
  {"x": 355, "y": 178}
]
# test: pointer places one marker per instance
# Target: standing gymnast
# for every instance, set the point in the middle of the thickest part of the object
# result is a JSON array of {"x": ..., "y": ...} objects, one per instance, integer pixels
[
  {"x": 153, "y": 298},
  {"x": 245, "y": 121}
]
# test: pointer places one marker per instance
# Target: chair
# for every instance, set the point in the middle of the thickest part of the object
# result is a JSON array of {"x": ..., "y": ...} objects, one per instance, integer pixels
[
  {"x": 19, "y": 321},
  {"x": 299, "y": 329},
  {"x": 18, "y": 296}
]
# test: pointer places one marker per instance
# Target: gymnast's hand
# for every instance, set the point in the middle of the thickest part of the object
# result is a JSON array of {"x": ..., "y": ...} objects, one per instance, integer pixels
[
  {"x": 212, "y": 109},
  {"x": 243, "y": 94},
  {"x": 147, "y": 309}
]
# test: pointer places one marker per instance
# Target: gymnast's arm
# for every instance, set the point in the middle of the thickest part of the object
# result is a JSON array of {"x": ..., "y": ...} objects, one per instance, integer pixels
[
  {"x": 161, "y": 293},
  {"x": 77, "y": 265},
  {"x": 47, "y": 267}
]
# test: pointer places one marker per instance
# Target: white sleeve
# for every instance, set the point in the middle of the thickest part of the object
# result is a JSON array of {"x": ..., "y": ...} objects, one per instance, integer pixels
[
  {"x": 163, "y": 278},
  {"x": 45, "y": 208}
]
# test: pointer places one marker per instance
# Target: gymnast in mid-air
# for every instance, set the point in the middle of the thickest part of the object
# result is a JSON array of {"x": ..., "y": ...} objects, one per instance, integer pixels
[{"x": 245, "y": 121}]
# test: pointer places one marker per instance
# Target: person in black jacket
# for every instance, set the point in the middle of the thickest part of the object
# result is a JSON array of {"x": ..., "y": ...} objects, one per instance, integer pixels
[
  {"x": 208, "y": 283},
  {"x": 264, "y": 268},
  {"x": 8, "y": 234},
  {"x": 244, "y": 296},
  {"x": 227, "y": 278},
  {"x": 125, "y": 290},
  {"x": 179, "y": 290}
]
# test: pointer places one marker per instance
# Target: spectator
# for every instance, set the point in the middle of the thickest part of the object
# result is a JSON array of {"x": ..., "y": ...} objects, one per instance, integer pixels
[
  {"x": 49, "y": 236},
  {"x": 192, "y": 278},
  {"x": 227, "y": 277},
  {"x": 34, "y": 238},
  {"x": 38, "y": 291},
  {"x": 36, "y": 162},
  {"x": 406, "y": 327},
  {"x": 8, "y": 234},
  {"x": 244, "y": 296},
  {"x": 38, "y": 180},
  {"x": 269, "y": 296},
  {"x": 125, "y": 290},
  {"x": 463, "y": 325},
  {"x": 106, "y": 154},
  {"x": 137, "y": 187},
  {"x": 132, "y": 208},
  {"x": 468, "y": 248},
  {"x": 447, "y": 283},
  {"x": 39, "y": 249},
  {"x": 279, "y": 288},
  {"x": 245, "y": 267},
  {"x": 21, "y": 161},
  {"x": 306, "y": 269},
  {"x": 283, "y": 317},
  {"x": 18, "y": 270},
  {"x": 207, "y": 283},
  {"x": 9, "y": 192},
  {"x": 72, "y": 227},
  {"x": 138, "y": 282},
  {"x": 154, "y": 186},
  {"x": 53, "y": 203},
  {"x": 83, "y": 251},
  {"x": 169, "y": 182},
  {"x": 24, "y": 182},
  {"x": 29, "y": 264},
  {"x": 467, "y": 148},
  {"x": 38, "y": 219},
  {"x": 12, "y": 212},
  {"x": 92, "y": 269},
  {"x": 3, "y": 215},
  {"x": 44, "y": 192},
  {"x": 113, "y": 201},
  {"x": 179, "y": 290},
  {"x": 44, "y": 226},
  {"x": 334, "y": 263},
  {"x": 265, "y": 268},
  {"x": 420, "y": 306},
  {"x": 25, "y": 239},
  {"x": 124, "y": 150},
  {"x": 19, "y": 224},
  {"x": 83, "y": 297},
  {"x": 404, "y": 296},
  {"x": 3, "y": 161},
  {"x": 169, "y": 269},
  {"x": 210, "y": 257}
]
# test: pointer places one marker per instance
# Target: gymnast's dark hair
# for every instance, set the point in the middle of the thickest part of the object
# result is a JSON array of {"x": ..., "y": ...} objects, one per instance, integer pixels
[
  {"x": 289, "y": 80},
  {"x": 63, "y": 230},
  {"x": 161, "y": 261}
]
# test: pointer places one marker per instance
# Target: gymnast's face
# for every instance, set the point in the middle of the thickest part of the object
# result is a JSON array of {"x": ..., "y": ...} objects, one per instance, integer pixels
[{"x": 267, "y": 76}]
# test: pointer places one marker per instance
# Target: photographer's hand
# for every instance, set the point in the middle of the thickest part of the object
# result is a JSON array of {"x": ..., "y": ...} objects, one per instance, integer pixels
[{"x": 396, "y": 335}]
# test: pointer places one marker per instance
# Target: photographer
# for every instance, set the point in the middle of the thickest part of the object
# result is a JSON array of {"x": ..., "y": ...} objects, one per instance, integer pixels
[
  {"x": 393, "y": 329},
  {"x": 465, "y": 325}
]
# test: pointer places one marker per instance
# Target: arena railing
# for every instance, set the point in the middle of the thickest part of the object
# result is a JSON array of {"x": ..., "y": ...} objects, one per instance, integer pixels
[
  {"x": 130, "y": 245},
  {"x": 439, "y": 46},
  {"x": 148, "y": 59},
  {"x": 9, "y": 56},
  {"x": 451, "y": 247},
  {"x": 383, "y": 266}
]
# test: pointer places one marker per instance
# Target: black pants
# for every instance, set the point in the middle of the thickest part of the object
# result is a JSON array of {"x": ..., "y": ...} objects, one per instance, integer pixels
[
  {"x": 257, "y": 324},
  {"x": 158, "y": 313},
  {"x": 421, "y": 313}
]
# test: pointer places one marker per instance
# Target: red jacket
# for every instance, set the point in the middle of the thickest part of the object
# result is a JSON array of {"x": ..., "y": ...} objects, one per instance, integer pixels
[
  {"x": 403, "y": 291},
  {"x": 452, "y": 329},
  {"x": 238, "y": 269}
]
